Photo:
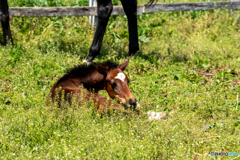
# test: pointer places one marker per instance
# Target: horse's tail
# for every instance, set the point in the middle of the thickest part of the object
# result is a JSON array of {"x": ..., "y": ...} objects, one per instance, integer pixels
[{"x": 150, "y": 2}]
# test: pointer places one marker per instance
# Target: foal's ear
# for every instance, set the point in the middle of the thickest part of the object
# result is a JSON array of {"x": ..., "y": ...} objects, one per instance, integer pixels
[
  {"x": 123, "y": 65},
  {"x": 101, "y": 69}
]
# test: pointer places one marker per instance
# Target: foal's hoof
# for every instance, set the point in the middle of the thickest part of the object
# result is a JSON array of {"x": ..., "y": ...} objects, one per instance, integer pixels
[
  {"x": 87, "y": 62},
  {"x": 156, "y": 115}
]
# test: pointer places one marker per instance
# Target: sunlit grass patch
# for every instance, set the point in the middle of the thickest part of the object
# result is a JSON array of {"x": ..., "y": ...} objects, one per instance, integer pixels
[{"x": 188, "y": 67}]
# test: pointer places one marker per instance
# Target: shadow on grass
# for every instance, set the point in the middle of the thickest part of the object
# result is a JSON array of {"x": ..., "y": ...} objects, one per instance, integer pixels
[{"x": 152, "y": 56}]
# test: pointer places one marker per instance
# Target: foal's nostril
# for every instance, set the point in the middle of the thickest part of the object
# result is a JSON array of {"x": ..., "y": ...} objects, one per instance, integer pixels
[{"x": 132, "y": 102}]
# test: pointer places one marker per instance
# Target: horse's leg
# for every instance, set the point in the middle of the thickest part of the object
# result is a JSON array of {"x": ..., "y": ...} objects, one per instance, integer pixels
[
  {"x": 107, "y": 106},
  {"x": 4, "y": 16},
  {"x": 130, "y": 8},
  {"x": 101, "y": 103},
  {"x": 104, "y": 11}
]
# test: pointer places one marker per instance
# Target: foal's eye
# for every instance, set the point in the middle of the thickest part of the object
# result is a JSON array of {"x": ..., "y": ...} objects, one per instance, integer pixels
[{"x": 113, "y": 84}]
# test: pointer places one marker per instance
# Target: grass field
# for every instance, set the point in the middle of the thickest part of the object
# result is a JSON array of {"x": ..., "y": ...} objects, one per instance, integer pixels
[{"x": 188, "y": 66}]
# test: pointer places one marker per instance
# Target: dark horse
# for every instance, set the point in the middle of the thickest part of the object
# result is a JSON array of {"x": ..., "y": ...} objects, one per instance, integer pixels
[
  {"x": 4, "y": 17},
  {"x": 104, "y": 10},
  {"x": 82, "y": 79}
]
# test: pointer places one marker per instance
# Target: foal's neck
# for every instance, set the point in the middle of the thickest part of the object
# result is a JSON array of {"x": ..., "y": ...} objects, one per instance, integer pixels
[{"x": 93, "y": 81}]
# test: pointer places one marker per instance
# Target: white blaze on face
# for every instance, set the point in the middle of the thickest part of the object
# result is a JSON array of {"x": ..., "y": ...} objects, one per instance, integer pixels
[{"x": 120, "y": 76}]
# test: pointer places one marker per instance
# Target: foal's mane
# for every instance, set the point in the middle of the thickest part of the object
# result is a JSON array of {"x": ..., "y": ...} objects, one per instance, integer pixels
[{"x": 82, "y": 70}]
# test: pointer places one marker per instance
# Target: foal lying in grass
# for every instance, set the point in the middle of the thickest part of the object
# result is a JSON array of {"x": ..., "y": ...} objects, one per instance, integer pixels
[{"x": 107, "y": 76}]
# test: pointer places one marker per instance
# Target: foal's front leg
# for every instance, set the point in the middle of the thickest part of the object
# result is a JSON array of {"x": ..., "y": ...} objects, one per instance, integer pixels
[
  {"x": 105, "y": 105},
  {"x": 104, "y": 11}
]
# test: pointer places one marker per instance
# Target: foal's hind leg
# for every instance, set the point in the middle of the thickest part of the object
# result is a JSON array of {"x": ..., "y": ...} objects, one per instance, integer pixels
[
  {"x": 130, "y": 8},
  {"x": 104, "y": 11}
]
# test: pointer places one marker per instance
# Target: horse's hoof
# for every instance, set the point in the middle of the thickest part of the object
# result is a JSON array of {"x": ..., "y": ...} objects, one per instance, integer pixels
[
  {"x": 90, "y": 57},
  {"x": 156, "y": 115},
  {"x": 132, "y": 51}
]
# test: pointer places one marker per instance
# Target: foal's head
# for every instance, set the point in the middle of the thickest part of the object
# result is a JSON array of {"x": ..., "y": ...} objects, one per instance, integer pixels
[{"x": 116, "y": 83}]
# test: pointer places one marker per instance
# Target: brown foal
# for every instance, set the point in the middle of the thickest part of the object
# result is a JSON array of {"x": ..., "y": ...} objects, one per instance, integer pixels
[{"x": 109, "y": 76}]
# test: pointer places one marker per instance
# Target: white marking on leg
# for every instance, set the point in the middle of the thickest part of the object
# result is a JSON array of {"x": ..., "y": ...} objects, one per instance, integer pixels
[
  {"x": 86, "y": 62},
  {"x": 120, "y": 76}
]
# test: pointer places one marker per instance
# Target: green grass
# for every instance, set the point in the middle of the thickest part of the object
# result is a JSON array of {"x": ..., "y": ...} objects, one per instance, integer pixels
[{"x": 175, "y": 49}]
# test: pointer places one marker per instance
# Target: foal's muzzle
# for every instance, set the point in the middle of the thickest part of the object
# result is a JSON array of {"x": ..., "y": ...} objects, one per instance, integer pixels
[{"x": 130, "y": 103}]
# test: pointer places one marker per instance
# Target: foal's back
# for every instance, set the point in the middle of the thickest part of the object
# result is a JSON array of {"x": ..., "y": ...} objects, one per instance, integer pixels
[
  {"x": 75, "y": 80},
  {"x": 78, "y": 79}
]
